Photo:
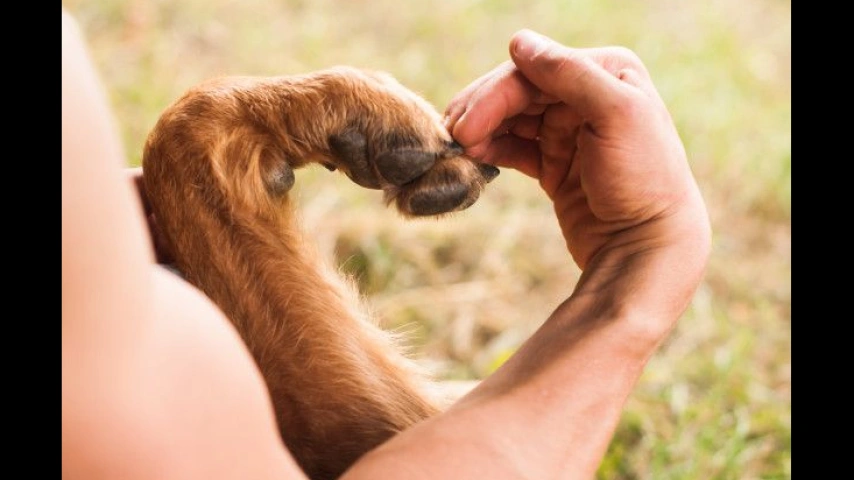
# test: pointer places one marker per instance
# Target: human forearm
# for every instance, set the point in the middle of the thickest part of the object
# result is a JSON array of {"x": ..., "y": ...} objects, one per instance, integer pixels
[
  {"x": 563, "y": 392},
  {"x": 548, "y": 413},
  {"x": 551, "y": 410}
]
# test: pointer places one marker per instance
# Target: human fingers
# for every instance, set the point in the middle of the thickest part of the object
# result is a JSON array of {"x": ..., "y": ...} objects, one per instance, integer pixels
[
  {"x": 457, "y": 106},
  {"x": 514, "y": 152},
  {"x": 478, "y": 112},
  {"x": 521, "y": 126},
  {"x": 588, "y": 80}
]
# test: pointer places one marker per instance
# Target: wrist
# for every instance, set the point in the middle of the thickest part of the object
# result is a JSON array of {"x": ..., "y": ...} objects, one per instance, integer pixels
[{"x": 651, "y": 270}]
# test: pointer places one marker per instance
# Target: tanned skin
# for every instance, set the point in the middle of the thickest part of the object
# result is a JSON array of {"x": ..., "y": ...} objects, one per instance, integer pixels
[{"x": 158, "y": 383}]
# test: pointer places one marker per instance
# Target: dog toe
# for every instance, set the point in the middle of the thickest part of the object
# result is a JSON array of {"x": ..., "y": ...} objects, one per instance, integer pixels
[
  {"x": 445, "y": 198},
  {"x": 402, "y": 166}
]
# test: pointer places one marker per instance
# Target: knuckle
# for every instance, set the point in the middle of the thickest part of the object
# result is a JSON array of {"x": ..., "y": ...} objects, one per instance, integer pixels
[{"x": 625, "y": 57}]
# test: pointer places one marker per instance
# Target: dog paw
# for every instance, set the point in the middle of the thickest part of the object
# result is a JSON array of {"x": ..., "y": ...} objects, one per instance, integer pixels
[
  {"x": 451, "y": 185},
  {"x": 256, "y": 131},
  {"x": 396, "y": 142},
  {"x": 419, "y": 181}
]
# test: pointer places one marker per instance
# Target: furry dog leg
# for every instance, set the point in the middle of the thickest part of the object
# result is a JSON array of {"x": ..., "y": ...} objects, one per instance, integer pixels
[{"x": 218, "y": 167}]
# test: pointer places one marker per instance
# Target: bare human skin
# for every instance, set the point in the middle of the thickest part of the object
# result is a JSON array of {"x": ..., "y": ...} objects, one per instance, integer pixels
[
  {"x": 157, "y": 384},
  {"x": 589, "y": 125}
]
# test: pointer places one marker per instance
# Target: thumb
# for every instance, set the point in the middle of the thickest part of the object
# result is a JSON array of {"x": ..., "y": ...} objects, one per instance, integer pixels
[{"x": 566, "y": 73}]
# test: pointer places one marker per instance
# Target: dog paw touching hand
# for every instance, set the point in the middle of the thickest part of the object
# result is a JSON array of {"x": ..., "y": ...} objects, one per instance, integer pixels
[
  {"x": 419, "y": 181},
  {"x": 217, "y": 169},
  {"x": 395, "y": 141},
  {"x": 363, "y": 123}
]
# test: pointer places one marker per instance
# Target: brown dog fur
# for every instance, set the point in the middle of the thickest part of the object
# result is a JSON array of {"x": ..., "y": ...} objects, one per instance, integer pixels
[{"x": 217, "y": 170}]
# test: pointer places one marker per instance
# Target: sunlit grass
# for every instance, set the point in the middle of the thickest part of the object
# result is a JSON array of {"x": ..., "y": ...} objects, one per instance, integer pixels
[{"x": 715, "y": 402}]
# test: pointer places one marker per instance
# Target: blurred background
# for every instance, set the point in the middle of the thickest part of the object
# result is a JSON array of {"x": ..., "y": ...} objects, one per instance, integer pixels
[{"x": 715, "y": 401}]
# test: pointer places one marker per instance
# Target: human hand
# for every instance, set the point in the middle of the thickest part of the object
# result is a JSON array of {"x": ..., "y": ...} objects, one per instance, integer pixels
[{"x": 591, "y": 127}]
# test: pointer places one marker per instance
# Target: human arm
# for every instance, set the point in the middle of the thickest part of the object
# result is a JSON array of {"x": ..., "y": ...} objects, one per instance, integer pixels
[
  {"x": 155, "y": 382},
  {"x": 124, "y": 416},
  {"x": 591, "y": 128}
]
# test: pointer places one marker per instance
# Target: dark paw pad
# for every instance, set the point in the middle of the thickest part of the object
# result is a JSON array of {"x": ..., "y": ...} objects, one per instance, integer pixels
[
  {"x": 443, "y": 199},
  {"x": 279, "y": 179},
  {"x": 402, "y": 166},
  {"x": 351, "y": 149}
]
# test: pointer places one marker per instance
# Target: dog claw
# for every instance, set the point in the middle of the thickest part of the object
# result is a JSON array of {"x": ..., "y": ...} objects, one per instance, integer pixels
[{"x": 488, "y": 171}]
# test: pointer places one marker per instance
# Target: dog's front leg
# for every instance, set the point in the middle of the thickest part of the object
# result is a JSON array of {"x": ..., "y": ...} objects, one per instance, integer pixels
[{"x": 218, "y": 168}]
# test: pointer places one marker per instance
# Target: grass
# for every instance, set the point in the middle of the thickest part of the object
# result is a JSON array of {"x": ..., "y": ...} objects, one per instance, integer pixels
[{"x": 715, "y": 401}]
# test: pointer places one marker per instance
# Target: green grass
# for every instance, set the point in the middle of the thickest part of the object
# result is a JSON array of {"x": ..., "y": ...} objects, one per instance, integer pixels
[{"x": 715, "y": 401}]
